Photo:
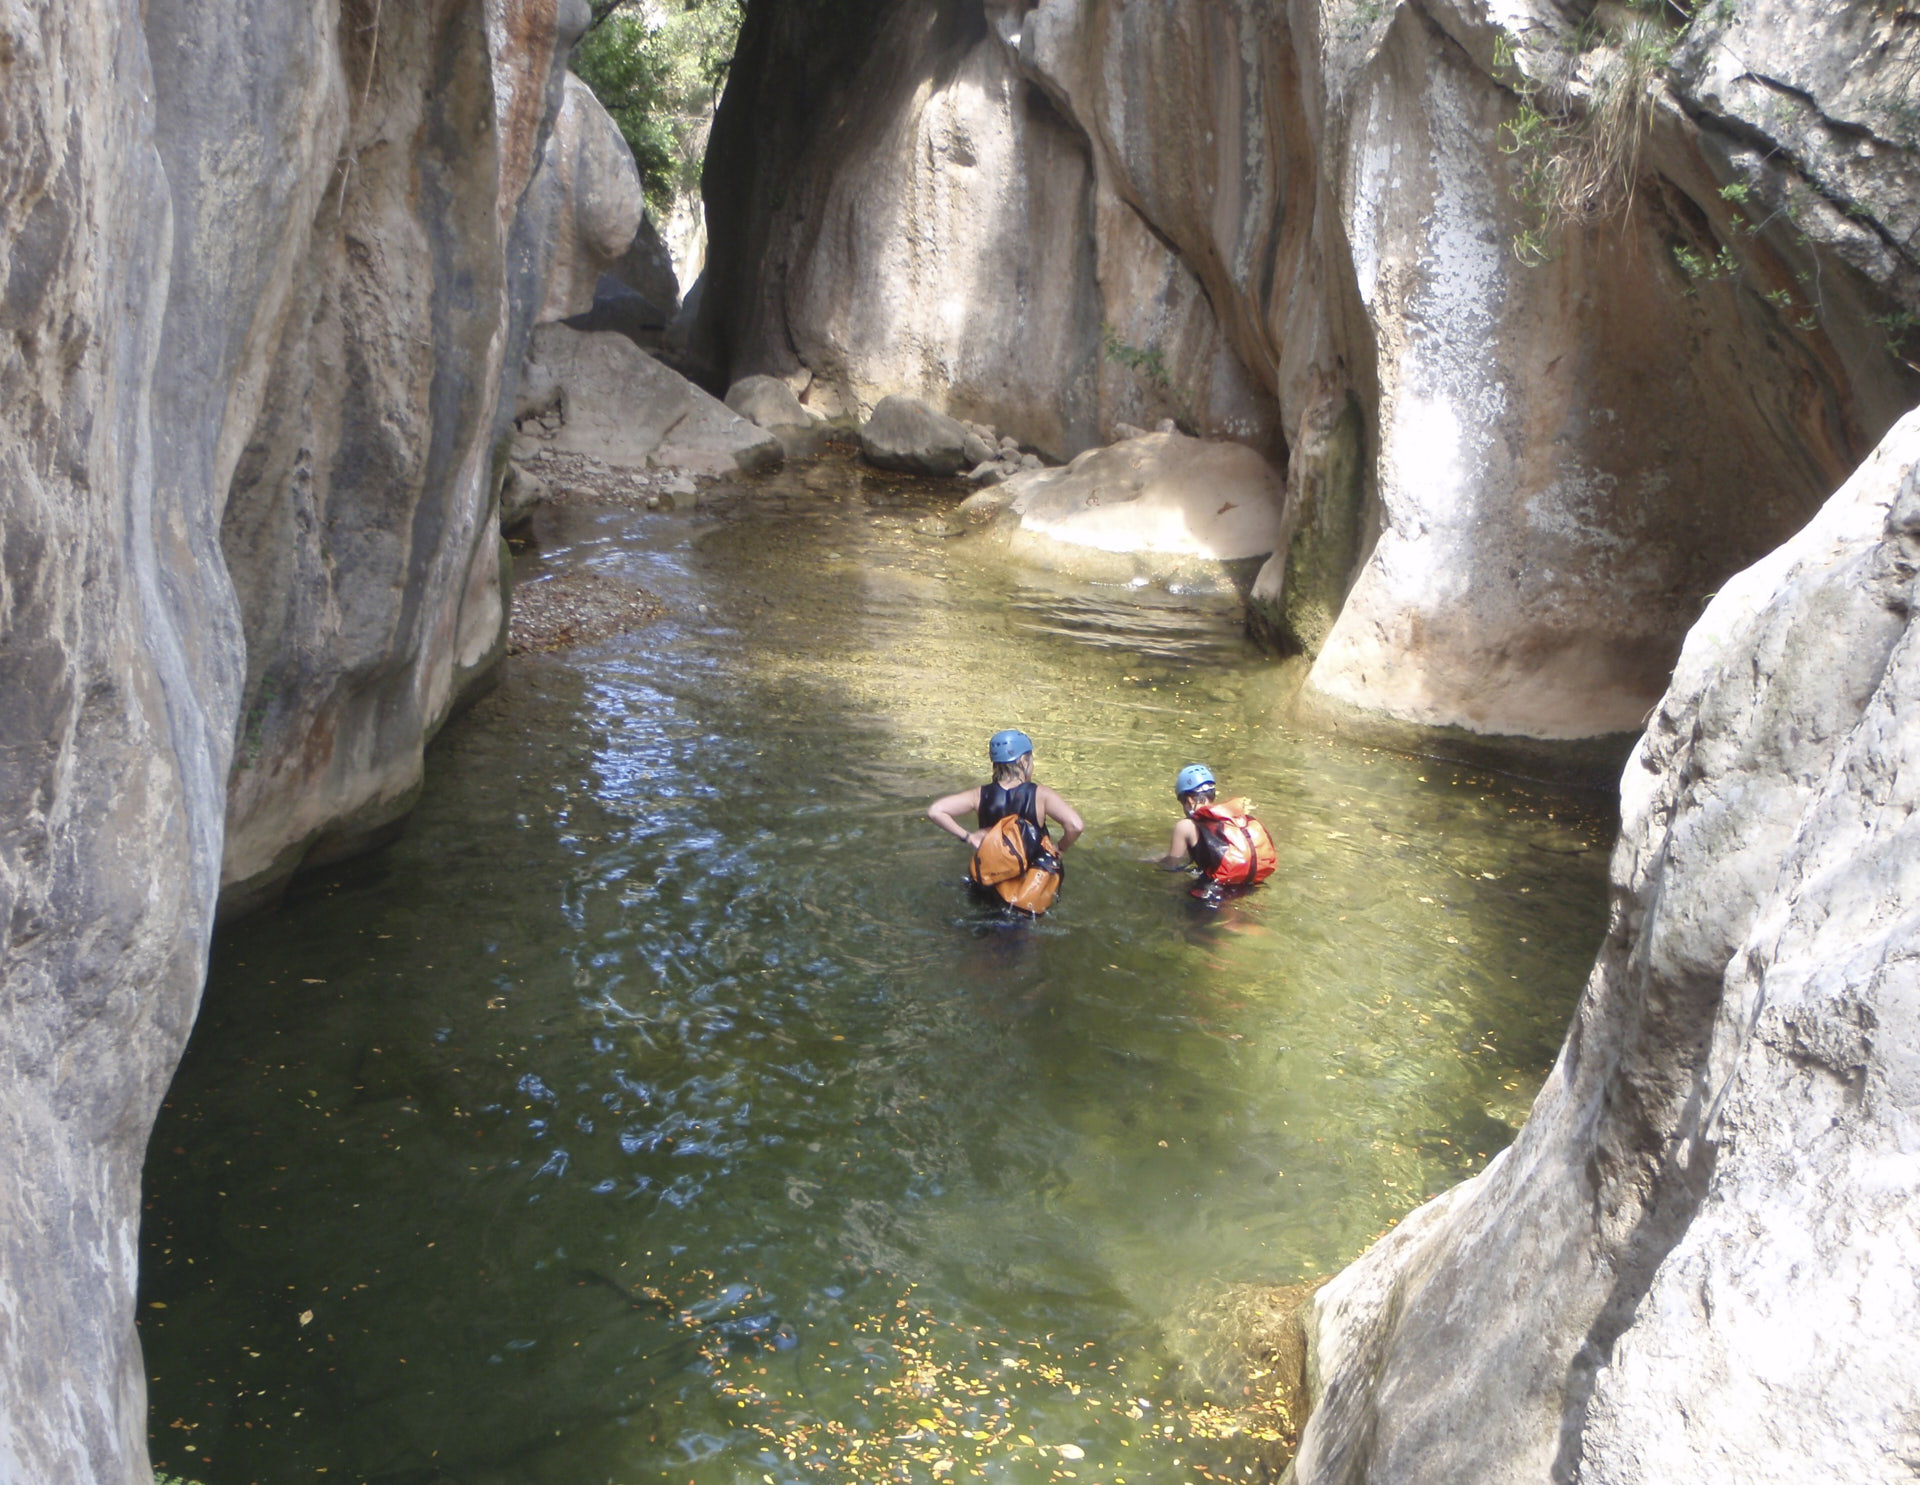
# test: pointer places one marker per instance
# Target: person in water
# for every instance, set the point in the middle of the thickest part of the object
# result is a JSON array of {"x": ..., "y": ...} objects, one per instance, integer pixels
[
  {"x": 1012, "y": 853},
  {"x": 1220, "y": 840}
]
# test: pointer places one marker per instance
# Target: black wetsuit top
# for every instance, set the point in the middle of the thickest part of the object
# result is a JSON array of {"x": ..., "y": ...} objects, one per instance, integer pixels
[
  {"x": 997, "y": 803},
  {"x": 1205, "y": 852}
]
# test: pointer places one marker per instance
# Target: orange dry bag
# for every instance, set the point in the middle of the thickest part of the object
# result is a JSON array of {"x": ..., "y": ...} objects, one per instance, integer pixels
[
  {"x": 1237, "y": 845},
  {"x": 1017, "y": 862}
]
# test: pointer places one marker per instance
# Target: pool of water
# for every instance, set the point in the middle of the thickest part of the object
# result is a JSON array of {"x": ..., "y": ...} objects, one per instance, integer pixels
[{"x": 661, "y": 1108}]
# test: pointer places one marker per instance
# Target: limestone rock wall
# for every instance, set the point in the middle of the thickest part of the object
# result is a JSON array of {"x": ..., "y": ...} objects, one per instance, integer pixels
[
  {"x": 1257, "y": 217},
  {"x": 118, "y": 686},
  {"x": 898, "y": 205},
  {"x": 360, "y": 527},
  {"x": 233, "y": 251},
  {"x": 1570, "y": 455},
  {"x": 1715, "y": 1201}
]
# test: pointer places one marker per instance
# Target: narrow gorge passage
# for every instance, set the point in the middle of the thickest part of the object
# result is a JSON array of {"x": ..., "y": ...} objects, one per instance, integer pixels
[{"x": 660, "y": 1107}]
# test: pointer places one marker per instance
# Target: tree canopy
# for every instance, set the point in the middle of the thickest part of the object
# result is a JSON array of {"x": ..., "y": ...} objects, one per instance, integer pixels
[{"x": 656, "y": 66}]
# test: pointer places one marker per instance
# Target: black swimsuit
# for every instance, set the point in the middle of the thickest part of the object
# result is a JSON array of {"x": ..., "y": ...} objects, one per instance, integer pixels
[{"x": 997, "y": 803}]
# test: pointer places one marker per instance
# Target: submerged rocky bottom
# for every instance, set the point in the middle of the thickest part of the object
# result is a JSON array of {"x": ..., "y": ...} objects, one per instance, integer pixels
[{"x": 662, "y": 1108}]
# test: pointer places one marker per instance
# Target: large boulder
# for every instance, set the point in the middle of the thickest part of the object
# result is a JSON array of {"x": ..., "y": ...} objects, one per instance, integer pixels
[
  {"x": 1698, "y": 1259},
  {"x": 621, "y": 407},
  {"x": 591, "y": 193},
  {"x": 767, "y": 401},
  {"x": 1159, "y": 505},
  {"x": 904, "y": 433}
]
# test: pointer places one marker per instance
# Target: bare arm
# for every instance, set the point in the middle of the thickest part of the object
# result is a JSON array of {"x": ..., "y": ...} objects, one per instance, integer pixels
[
  {"x": 943, "y": 810},
  {"x": 1053, "y": 807},
  {"x": 1184, "y": 835}
]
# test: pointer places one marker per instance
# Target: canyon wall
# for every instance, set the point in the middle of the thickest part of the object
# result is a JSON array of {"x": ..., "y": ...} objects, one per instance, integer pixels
[
  {"x": 1697, "y": 1260},
  {"x": 259, "y": 287},
  {"x": 360, "y": 524},
  {"x": 1520, "y": 459},
  {"x": 1531, "y": 448}
]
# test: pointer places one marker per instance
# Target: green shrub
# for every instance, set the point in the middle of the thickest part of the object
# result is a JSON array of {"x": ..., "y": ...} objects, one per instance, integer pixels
[
  {"x": 657, "y": 66},
  {"x": 1578, "y": 162}
]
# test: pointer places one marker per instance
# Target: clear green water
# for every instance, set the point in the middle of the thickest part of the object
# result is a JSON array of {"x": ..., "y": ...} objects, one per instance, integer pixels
[{"x": 661, "y": 1109}]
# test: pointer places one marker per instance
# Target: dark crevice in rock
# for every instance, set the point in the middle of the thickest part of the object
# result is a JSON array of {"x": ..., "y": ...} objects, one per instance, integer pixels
[{"x": 1741, "y": 132}]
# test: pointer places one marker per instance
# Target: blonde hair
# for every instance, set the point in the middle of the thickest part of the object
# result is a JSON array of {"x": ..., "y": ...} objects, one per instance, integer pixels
[{"x": 1016, "y": 772}]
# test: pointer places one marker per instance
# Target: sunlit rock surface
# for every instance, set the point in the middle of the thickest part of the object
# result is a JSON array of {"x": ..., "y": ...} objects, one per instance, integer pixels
[
  {"x": 1256, "y": 217},
  {"x": 1696, "y": 1262},
  {"x": 1157, "y": 506},
  {"x": 235, "y": 252},
  {"x": 621, "y": 408}
]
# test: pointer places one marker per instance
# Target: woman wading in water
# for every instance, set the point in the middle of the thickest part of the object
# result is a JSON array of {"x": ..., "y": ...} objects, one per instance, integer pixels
[
  {"x": 1221, "y": 841},
  {"x": 1012, "y": 854}
]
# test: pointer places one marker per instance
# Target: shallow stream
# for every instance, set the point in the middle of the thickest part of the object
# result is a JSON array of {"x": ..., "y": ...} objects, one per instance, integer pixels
[{"x": 661, "y": 1108}]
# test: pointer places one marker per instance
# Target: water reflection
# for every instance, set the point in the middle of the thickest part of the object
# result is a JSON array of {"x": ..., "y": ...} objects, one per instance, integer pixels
[{"x": 661, "y": 1107}]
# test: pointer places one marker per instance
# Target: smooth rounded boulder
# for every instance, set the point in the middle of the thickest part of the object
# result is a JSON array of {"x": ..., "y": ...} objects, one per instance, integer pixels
[
  {"x": 1160, "y": 506},
  {"x": 767, "y": 402},
  {"x": 905, "y": 434}
]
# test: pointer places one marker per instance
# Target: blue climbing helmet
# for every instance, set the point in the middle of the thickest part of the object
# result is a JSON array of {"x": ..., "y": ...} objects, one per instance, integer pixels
[
  {"x": 1193, "y": 776},
  {"x": 1007, "y": 746}
]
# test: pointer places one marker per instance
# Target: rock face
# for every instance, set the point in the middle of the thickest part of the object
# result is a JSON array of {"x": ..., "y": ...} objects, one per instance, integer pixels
[
  {"x": 1159, "y": 505},
  {"x": 620, "y": 407},
  {"x": 1296, "y": 224},
  {"x": 646, "y": 267},
  {"x": 256, "y": 302},
  {"x": 360, "y": 528},
  {"x": 1715, "y": 1201}
]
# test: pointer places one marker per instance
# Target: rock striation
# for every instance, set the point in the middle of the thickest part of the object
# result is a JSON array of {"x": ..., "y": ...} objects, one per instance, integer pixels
[
  {"x": 1521, "y": 456},
  {"x": 262, "y": 278},
  {"x": 1696, "y": 1261},
  {"x": 360, "y": 527}
]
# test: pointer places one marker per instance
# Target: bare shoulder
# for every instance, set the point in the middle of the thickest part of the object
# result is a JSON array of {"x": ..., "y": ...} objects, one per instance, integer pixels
[
  {"x": 957, "y": 803},
  {"x": 1050, "y": 799}
]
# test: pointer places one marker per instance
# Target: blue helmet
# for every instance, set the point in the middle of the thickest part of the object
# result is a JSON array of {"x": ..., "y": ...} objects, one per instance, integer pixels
[
  {"x": 1005, "y": 747},
  {"x": 1193, "y": 776}
]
